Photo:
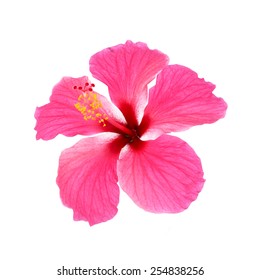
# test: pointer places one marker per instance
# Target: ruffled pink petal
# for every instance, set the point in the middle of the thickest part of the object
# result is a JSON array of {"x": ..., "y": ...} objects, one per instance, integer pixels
[
  {"x": 87, "y": 178},
  {"x": 70, "y": 113},
  {"x": 162, "y": 175},
  {"x": 127, "y": 69},
  {"x": 180, "y": 100}
]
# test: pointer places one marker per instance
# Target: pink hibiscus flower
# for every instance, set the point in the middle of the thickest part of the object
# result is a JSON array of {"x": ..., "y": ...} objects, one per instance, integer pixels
[{"x": 161, "y": 173}]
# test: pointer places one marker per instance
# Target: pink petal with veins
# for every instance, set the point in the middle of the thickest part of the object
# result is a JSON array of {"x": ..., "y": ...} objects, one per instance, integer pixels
[
  {"x": 162, "y": 175},
  {"x": 74, "y": 109},
  {"x": 127, "y": 69},
  {"x": 87, "y": 178},
  {"x": 180, "y": 100}
]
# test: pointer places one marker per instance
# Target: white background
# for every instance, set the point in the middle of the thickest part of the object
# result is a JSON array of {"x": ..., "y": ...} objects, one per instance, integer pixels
[{"x": 42, "y": 41}]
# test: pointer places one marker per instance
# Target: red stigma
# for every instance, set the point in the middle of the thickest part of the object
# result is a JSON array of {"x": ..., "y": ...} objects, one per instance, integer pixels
[{"x": 87, "y": 87}]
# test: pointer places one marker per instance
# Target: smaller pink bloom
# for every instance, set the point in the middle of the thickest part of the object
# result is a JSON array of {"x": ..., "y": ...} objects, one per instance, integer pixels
[{"x": 129, "y": 144}]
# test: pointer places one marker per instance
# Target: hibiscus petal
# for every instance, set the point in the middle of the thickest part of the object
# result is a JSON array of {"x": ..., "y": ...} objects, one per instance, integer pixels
[
  {"x": 180, "y": 100},
  {"x": 162, "y": 175},
  {"x": 127, "y": 69},
  {"x": 70, "y": 113},
  {"x": 87, "y": 178}
]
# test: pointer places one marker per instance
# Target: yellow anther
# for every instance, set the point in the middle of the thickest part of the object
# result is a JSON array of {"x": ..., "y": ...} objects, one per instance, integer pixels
[
  {"x": 91, "y": 107},
  {"x": 87, "y": 118}
]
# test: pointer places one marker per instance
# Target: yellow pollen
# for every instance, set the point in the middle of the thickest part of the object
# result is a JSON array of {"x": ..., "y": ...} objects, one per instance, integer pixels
[{"x": 91, "y": 107}]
